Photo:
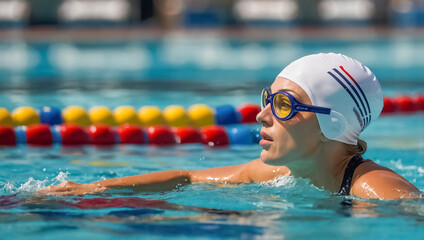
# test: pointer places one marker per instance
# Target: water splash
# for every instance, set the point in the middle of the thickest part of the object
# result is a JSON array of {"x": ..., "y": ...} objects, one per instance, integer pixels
[
  {"x": 284, "y": 189},
  {"x": 283, "y": 181},
  {"x": 31, "y": 185},
  {"x": 399, "y": 165},
  {"x": 61, "y": 177},
  {"x": 290, "y": 182}
]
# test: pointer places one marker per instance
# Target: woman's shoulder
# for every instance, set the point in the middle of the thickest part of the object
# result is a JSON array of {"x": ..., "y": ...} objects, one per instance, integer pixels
[
  {"x": 371, "y": 180},
  {"x": 258, "y": 171}
]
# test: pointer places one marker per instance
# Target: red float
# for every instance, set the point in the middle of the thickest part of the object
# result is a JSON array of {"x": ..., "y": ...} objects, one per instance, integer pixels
[
  {"x": 39, "y": 134},
  {"x": 248, "y": 112},
  {"x": 73, "y": 135},
  {"x": 101, "y": 135},
  {"x": 405, "y": 104},
  {"x": 187, "y": 135},
  {"x": 7, "y": 136},
  {"x": 131, "y": 134},
  {"x": 419, "y": 102},
  {"x": 215, "y": 136},
  {"x": 389, "y": 105},
  {"x": 160, "y": 135}
]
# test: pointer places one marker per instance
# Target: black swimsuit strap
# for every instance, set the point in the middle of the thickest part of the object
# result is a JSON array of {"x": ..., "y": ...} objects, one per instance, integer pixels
[{"x": 347, "y": 178}]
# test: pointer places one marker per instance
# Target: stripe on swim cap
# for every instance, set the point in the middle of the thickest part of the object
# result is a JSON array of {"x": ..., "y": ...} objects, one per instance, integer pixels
[
  {"x": 357, "y": 95},
  {"x": 360, "y": 89},
  {"x": 351, "y": 95}
]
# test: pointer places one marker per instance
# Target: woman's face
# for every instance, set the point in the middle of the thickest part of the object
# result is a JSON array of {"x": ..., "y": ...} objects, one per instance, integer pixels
[{"x": 296, "y": 138}]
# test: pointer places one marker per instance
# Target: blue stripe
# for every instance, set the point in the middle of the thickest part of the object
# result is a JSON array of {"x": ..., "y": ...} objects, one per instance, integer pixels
[
  {"x": 347, "y": 90},
  {"x": 366, "y": 100},
  {"x": 357, "y": 94}
]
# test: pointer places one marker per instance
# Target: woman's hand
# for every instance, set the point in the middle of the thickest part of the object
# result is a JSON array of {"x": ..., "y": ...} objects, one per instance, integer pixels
[{"x": 69, "y": 188}]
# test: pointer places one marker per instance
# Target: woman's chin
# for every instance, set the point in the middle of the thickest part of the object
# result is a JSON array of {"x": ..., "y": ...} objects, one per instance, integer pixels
[
  {"x": 266, "y": 157},
  {"x": 269, "y": 159}
]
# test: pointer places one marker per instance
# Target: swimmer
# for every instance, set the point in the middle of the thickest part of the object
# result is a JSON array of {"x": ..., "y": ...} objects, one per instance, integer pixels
[{"x": 312, "y": 116}]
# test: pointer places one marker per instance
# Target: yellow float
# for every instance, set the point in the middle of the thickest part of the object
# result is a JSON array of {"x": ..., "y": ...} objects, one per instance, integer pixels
[
  {"x": 24, "y": 116},
  {"x": 101, "y": 115},
  {"x": 201, "y": 115},
  {"x": 126, "y": 114},
  {"x": 150, "y": 116},
  {"x": 76, "y": 115},
  {"x": 5, "y": 118},
  {"x": 176, "y": 116}
]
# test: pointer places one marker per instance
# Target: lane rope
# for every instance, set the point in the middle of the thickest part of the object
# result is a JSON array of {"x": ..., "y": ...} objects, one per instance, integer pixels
[{"x": 219, "y": 126}]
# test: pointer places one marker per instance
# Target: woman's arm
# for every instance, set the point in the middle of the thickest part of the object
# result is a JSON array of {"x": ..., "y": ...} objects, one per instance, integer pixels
[
  {"x": 254, "y": 171},
  {"x": 157, "y": 181}
]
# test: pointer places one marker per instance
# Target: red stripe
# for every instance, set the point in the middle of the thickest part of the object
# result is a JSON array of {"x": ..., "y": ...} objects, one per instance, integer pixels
[
  {"x": 348, "y": 74},
  {"x": 362, "y": 92}
]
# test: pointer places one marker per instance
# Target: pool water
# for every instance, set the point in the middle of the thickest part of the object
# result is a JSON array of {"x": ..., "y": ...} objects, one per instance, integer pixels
[{"x": 286, "y": 208}]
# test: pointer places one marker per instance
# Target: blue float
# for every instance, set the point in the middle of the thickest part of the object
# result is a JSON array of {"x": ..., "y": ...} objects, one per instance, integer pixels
[
  {"x": 57, "y": 137},
  {"x": 117, "y": 138},
  {"x": 50, "y": 115},
  {"x": 256, "y": 134},
  {"x": 240, "y": 135},
  {"x": 21, "y": 135},
  {"x": 146, "y": 137},
  {"x": 227, "y": 114}
]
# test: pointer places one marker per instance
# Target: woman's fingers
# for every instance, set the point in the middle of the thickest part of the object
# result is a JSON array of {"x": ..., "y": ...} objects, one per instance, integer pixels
[
  {"x": 70, "y": 188},
  {"x": 62, "y": 189}
]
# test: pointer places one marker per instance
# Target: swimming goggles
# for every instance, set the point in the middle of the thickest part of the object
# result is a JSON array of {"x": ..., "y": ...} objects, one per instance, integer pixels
[{"x": 284, "y": 106}]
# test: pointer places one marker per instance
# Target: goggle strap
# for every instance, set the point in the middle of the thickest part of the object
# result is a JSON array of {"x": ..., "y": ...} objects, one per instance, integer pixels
[{"x": 315, "y": 109}]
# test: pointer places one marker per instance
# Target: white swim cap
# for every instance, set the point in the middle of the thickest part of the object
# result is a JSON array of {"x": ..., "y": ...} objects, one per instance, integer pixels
[{"x": 344, "y": 85}]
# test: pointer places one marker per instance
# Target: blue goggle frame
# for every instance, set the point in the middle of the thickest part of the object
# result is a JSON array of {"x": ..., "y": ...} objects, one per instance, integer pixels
[{"x": 295, "y": 105}]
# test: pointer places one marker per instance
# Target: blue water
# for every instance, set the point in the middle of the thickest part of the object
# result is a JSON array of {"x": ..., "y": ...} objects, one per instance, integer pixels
[{"x": 286, "y": 208}]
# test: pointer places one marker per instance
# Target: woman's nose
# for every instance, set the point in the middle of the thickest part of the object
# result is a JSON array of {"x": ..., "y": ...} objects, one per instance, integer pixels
[{"x": 264, "y": 117}]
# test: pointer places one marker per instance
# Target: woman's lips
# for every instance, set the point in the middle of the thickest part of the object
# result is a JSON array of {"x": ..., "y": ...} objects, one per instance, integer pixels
[{"x": 266, "y": 139}]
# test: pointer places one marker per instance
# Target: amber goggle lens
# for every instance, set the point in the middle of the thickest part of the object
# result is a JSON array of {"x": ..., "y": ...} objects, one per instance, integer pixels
[{"x": 282, "y": 105}]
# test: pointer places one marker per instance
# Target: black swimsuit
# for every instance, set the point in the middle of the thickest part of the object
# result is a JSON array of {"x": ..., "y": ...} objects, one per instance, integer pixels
[{"x": 347, "y": 178}]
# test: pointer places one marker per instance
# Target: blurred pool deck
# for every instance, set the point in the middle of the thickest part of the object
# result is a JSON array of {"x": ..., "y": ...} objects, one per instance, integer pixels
[
  {"x": 35, "y": 34},
  {"x": 223, "y": 55}
]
